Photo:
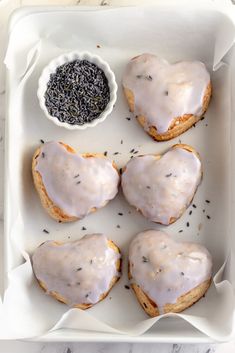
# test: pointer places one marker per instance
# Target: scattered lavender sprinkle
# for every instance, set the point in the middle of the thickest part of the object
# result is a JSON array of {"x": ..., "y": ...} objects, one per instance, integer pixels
[
  {"x": 187, "y": 224},
  {"x": 194, "y": 206},
  {"x": 105, "y": 153},
  {"x": 83, "y": 228},
  {"x": 43, "y": 155},
  {"x": 77, "y": 93},
  {"x": 128, "y": 119},
  {"x": 208, "y": 217},
  {"x": 120, "y": 213},
  {"x": 207, "y": 201},
  {"x": 126, "y": 286},
  {"x": 190, "y": 212},
  {"x": 118, "y": 226},
  {"x": 46, "y": 231},
  {"x": 42, "y": 141},
  {"x": 180, "y": 231}
]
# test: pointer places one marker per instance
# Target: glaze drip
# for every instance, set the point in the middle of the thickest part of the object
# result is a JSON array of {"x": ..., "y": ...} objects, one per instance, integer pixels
[
  {"x": 80, "y": 271},
  {"x": 163, "y": 91}
]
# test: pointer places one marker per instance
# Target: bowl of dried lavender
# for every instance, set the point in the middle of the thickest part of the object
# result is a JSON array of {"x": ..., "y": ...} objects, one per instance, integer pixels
[{"x": 77, "y": 90}]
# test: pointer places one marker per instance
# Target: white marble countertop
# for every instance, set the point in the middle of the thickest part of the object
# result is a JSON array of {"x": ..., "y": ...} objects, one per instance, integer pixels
[{"x": 6, "y": 7}]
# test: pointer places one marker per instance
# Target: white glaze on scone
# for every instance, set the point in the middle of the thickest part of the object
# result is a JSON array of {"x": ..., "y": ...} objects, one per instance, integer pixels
[
  {"x": 80, "y": 271},
  {"x": 162, "y": 188},
  {"x": 163, "y": 91},
  {"x": 74, "y": 183},
  {"x": 165, "y": 269}
]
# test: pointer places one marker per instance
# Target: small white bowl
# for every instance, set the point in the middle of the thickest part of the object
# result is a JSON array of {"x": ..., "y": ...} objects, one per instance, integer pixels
[{"x": 69, "y": 57}]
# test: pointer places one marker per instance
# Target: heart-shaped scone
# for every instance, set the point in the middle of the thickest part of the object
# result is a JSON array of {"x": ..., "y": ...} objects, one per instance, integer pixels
[
  {"x": 167, "y": 276},
  {"x": 71, "y": 186},
  {"x": 161, "y": 187},
  {"x": 79, "y": 273},
  {"x": 167, "y": 99}
]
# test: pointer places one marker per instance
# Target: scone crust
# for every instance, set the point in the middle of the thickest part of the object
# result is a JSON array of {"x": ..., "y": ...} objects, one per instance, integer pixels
[
  {"x": 158, "y": 156},
  {"x": 53, "y": 210},
  {"x": 83, "y": 306},
  {"x": 183, "y": 302},
  {"x": 179, "y": 125}
]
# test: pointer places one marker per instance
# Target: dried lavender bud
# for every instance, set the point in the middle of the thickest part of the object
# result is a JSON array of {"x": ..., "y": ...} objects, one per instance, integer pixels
[
  {"x": 46, "y": 231},
  {"x": 144, "y": 258},
  {"x": 77, "y": 93}
]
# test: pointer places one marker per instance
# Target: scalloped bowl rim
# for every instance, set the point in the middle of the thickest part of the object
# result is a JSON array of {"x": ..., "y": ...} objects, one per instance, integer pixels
[{"x": 69, "y": 57}]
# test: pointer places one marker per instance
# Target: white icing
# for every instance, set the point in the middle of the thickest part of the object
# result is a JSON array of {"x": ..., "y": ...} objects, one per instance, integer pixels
[
  {"x": 165, "y": 269},
  {"x": 163, "y": 91},
  {"x": 162, "y": 188},
  {"x": 80, "y": 271},
  {"x": 76, "y": 184}
]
